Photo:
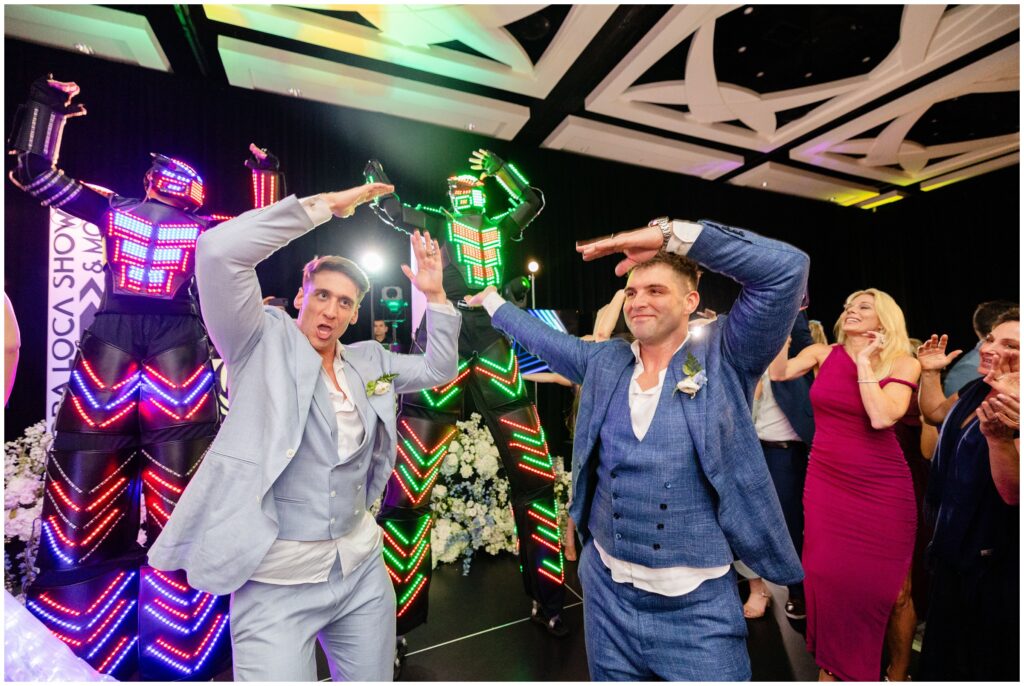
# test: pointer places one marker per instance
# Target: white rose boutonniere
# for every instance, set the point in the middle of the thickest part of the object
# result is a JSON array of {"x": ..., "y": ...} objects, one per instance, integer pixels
[
  {"x": 695, "y": 377},
  {"x": 381, "y": 385}
]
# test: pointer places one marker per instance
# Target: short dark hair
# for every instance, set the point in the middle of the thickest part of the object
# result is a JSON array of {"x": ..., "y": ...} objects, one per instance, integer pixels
[
  {"x": 1010, "y": 315},
  {"x": 986, "y": 314},
  {"x": 681, "y": 265},
  {"x": 334, "y": 263}
]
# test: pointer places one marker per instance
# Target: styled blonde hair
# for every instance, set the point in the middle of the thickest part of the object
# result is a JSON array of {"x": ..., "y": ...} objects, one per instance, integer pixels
[{"x": 894, "y": 326}]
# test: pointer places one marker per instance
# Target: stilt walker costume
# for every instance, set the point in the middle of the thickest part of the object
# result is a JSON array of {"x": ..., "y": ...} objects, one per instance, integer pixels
[
  {"x": 137, "y": 415},
  {"x": 472, "y": 245}
]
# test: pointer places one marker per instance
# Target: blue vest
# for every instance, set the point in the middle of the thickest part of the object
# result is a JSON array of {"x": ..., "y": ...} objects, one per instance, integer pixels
[
  {"x": 318, "y": 499},
  {"x": 653, "y": 505}
]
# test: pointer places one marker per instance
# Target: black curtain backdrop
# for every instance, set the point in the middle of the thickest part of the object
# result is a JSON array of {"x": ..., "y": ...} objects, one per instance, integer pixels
[{"x": 937, "y": 253}]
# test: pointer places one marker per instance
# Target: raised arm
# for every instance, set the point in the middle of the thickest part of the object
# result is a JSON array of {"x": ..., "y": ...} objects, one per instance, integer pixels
[
  {"x": 398, "y": 215},
  {"x": 999, "y": 421},
  {"x": 526, "y": 202},
  {"x": 36, "y": 138},
  {"x": 227, "y": 255},
  {"x": 931, "y": 399},
  {"x": 783, "y": 367},
  {"x": 440, "y": 361},
  {"x": 268, "y": 183},
  {"x": 773, "y": 275},
  {"x": 565, "y": 354}
]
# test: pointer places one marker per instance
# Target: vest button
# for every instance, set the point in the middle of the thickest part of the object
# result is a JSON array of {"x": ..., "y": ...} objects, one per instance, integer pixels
[
  {"x": 333, "y": 493},
  {"x": 663, "y": 506},
  {"x": 657, "y": 546},
  {"x": 616, "y": 515},
  {"x": 356, "y": 511},
  {"x": 614, "y": 475},
  {"x": 668, "y": 484},
  {"x": 332, "y": 520},
  {"x": 661, "y": 526},
  {"x": 618, "y": 537},
  {"x": 615, "y": 496}
]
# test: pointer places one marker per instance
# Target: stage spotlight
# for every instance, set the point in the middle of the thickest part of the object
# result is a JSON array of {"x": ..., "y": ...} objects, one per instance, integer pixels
[
  {"x": 372, "y": 262},
  {"x": 533, "y": 266}
]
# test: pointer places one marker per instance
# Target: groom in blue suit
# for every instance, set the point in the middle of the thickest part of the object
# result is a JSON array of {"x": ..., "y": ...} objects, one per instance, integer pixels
[
  {"x": 276, "y": 514},
  {"x": 669, "y": 482}
]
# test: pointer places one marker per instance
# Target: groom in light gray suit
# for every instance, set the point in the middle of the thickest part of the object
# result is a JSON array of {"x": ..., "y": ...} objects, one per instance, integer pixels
[{"x": 276, "y": 514}]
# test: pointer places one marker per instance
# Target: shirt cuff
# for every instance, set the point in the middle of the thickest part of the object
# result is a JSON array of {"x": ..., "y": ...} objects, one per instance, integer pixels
[
  {"x": 447, "y": 308},
  {"x": 317, "y": 209},
  {"x": 684, "y": 234},
  {"x": 492, "y": 302}
]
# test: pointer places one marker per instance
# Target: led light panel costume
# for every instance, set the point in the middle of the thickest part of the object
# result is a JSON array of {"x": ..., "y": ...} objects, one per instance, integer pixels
[
  {"x": 137, "y": 415},
  {"x": 472, "y": 243}
]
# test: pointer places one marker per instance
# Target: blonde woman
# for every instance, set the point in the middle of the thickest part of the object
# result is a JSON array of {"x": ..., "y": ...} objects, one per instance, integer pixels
[{"x": 859, "y": 510}]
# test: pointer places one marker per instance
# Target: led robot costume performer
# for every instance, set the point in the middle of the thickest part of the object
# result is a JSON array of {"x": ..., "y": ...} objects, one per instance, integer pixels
[
  {"x": 489, "y": 373},
  {"x": 136, "y": 417}
]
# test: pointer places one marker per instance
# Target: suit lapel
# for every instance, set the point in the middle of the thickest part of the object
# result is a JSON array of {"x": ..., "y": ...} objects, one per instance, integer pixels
[
  {"x": 357, "y": 376},
  {"x": 695, "y": 408},
  {"x": 606, "y": 385}
]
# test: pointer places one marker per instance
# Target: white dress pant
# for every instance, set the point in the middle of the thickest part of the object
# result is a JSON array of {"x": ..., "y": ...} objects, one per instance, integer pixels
[{"x": 273, "y": 626}]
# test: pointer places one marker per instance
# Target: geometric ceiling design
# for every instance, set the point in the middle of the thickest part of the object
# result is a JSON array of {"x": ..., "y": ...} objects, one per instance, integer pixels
[{"x": 859, "y": 105}]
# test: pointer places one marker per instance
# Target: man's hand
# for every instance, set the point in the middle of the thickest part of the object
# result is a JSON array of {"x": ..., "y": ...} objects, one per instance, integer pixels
[
  {"x": 932, "y": 354},
  {"x": 262, "y": 159},
  {"x": 344, "y": 203},
  {"x": 58, "y": 95},
  {"x": 427, "y": 279},
  {"x": 1004, "y": 377},
  {"x": 638, "y": 245},
  {"x": 478, "y": 299}
]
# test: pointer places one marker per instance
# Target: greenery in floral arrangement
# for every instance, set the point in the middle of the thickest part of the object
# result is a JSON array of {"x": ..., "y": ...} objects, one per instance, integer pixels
[
  {"x": 471, "y": 499},
  {"x": 24, "y": 463}
]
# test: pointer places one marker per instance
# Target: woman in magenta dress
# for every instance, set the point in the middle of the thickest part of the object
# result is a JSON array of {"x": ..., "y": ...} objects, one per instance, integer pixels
[{"x": 860, "y": 514}]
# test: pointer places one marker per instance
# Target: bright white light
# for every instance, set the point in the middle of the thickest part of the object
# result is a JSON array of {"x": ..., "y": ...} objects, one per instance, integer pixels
[
  {"x": 372, "y": 262},
  {"x": 533, "y": 266},
  {"x": 697, "y": 331}
]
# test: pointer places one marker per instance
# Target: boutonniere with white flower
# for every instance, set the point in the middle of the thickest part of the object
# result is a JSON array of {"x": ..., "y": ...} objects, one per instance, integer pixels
[
  {"x": 695, "y": 377},
  {"x": 380, "y": 385}
]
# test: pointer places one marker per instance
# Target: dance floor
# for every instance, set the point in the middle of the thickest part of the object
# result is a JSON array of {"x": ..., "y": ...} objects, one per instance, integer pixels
[{"x": 480, "y": 630}]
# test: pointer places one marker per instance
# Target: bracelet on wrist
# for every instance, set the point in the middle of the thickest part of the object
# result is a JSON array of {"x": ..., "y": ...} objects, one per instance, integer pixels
[{"x": 867, "y": 380}]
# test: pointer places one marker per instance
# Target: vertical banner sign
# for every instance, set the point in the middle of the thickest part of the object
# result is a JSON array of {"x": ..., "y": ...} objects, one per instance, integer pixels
[{"x": 75, "y": 278}]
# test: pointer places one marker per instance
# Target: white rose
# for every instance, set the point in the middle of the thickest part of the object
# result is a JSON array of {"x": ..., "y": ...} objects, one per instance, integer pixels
[
  {"x": 688, "y": 386},
  {"x": 440, "y": 491},
  {"x": 381, "y": 387},
  {"x": 466, "y": 471}
]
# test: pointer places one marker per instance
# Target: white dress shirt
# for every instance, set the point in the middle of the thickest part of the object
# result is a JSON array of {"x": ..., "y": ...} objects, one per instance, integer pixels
[
  {"x": 667, "y": 581},
  {"x": 769, "y": 420}
]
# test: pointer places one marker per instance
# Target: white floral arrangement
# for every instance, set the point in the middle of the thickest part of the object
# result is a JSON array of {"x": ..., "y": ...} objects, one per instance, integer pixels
[
  {"x": 471, "y": 502},
  {"x": 24, "y": 464}
]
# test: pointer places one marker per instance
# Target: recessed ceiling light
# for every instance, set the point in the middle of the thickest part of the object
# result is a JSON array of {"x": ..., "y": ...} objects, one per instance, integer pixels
[
  {"x": 742, "y": 49},
  {"x": 748, "y": 10},
  {"x": 295, "y": 91},
  {"x": 84, "y": 48},
  {"x": 808, "y": 74},
  {"x": 760, "y": 74},
  {"x": 866, "y": 59}
]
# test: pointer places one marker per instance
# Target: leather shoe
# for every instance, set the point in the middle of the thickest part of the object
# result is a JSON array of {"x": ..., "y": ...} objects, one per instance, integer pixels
[
  {"x": 555, "y": 626},
  {"x": 796, "y": 608}
]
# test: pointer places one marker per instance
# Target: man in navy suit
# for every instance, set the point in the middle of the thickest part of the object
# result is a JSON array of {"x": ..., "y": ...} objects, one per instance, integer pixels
[
  {"x": 668, "y": 476},
  {"x": 785, "y": 426}
]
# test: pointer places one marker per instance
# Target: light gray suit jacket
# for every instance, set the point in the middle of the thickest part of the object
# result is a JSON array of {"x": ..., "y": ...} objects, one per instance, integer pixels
[{"x": 226, "y": 519}]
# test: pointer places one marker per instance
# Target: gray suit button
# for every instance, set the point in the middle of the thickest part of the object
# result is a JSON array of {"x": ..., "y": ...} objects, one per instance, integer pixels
[
  {"x": 359, "y": 487},
  {"x": 356, "y": 511},
  {"x": 333, "y": 493},
  {"x": 289, "y": 453},
  {"x": 332, "y": 520}
]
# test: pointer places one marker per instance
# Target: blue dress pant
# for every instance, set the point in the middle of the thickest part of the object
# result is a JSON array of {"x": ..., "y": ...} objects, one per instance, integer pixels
[
  {"x": 635, "y": 635},
  {"x": 788, "y": 469}
]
